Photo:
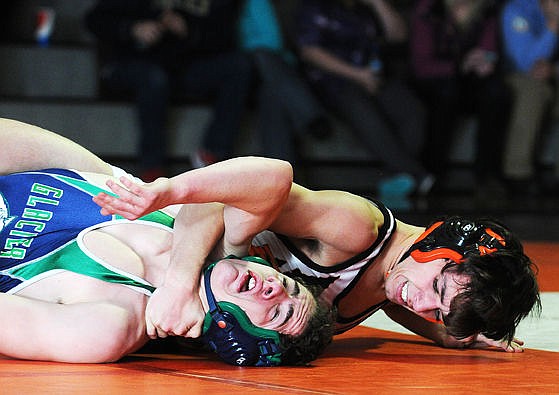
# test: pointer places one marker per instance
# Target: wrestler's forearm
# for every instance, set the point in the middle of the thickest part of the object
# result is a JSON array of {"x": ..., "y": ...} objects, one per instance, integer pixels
[
  {"x": 27, "y": 147},
  {"x": 257, "y": 186},
  {"x": 204, "y": 233},
  {"x": 253, "y": 184},
  {"x": 197, "y": 231},
  {"x": 176, "y": 306}
]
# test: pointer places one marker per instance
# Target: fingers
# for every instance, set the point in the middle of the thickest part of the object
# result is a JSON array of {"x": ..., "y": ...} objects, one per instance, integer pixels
[
  {"x": 162, "y": 334},
  {"x": 155, "y": 330},
  {"x": 127, "y": 203},
  {"x": 104, "y": 201},
  {"x": 195, "y": 331},
  {"x": 184, "y": 328},
  {"x": 131, "y": 186},
  {"x": 127, "y": 196},
  {"x": 150, "y": 329},
  {"x": 112, "y": 205},
  {"x": 514, "y": 347}
]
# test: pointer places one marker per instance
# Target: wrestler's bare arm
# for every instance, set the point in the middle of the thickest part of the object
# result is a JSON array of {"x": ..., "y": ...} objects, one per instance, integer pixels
[
  {"x": 27, "y": 147},
  {"x": 247, "y": 193},
  {"x": 253, "y": 184},
  {"x": 437, "y": 332},
  {"x": 175, "y": 307},
  {"x": 343, "y": 224},
  {"x": 80, "y": 332}
]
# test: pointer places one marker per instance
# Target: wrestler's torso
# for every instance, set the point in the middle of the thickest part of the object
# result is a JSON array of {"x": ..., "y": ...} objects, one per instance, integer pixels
[
  {"x": 354, "y": 284},
  {"x": 46, "y": 212},
  {"x": 119, "y": 245}
]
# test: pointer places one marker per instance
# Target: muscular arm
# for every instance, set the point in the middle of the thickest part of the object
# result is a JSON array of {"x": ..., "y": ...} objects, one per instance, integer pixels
[
  {"x": 258, "y": 186},
  {"x": 27, "y": 147},
  {"x": 326, "y": 217},
  {"x": 175, "y": 308},
  {"x": 242, "y": 195},
  {"x": 343, "y": 223},
  {"x": 81, "y": 332}
]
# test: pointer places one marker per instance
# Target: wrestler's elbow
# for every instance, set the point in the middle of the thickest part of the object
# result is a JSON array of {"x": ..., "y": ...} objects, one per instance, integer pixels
[
  {"x": 115, "y": 338},
  {"x": 125, "y": 338}
]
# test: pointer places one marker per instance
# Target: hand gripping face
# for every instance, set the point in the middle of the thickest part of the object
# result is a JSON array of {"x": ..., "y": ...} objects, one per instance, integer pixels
[{"x": 229, "y": 332}]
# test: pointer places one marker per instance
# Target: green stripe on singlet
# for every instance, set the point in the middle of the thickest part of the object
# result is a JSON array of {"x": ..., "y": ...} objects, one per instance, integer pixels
[
  {"x": 157, "y": 216},
  {"x": 72, "y": 258}
]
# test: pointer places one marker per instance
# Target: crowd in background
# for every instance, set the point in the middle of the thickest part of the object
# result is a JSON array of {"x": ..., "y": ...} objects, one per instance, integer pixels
[{"x": 400, "y": 74}]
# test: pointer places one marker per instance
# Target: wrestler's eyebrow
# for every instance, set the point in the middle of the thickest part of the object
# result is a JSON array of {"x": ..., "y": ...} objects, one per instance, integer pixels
[
  {"x": 296, "y": 289},
  {"x": 294, "y": 293},
  {"x": 443, "y": 290},
  {"x": 288, "y": 315}
]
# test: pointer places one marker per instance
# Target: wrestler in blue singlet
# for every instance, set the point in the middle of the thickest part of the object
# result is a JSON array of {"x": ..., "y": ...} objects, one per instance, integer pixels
[{"x": 42, "y": 215}]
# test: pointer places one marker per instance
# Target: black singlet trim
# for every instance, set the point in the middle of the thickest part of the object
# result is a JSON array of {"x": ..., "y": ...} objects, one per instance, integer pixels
[
  {"x": 388, "y": 218},
  {"x": 356, "y": 319},
  {"x": 389, "y": 223}
]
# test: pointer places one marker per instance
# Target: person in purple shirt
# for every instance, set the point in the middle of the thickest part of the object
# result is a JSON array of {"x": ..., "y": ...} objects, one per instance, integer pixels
[
  {"x": 454, "y": 61},
  {"x": 529, "y": 31},
  {"x": 341, "y": 44}
]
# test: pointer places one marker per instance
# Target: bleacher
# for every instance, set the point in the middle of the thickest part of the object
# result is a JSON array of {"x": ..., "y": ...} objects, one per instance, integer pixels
[{"x": 57, "y": 87}]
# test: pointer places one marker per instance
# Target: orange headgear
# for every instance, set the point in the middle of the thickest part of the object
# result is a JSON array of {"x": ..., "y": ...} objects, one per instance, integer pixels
[{"x": 456, "y": 239}]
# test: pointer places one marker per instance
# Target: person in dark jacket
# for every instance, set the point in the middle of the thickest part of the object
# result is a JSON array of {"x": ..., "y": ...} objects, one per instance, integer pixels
[
  {"x": 156, "y": 50},
  {"x": 455, "y": 67}
]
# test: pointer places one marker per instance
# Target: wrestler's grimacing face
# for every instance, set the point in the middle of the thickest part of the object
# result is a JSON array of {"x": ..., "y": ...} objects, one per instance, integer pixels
[{"x": 270, "y": 299}]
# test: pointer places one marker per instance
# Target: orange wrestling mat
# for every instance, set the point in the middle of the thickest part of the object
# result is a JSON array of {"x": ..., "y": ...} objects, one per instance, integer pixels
[
  {"x": 365, "y": 360},
  {"x": 362, "y": 361}
]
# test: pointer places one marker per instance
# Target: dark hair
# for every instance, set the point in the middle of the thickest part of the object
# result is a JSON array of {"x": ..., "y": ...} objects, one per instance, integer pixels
[
  {"x": 500, "y": 291},
  {"x": 306, "y": 347}
]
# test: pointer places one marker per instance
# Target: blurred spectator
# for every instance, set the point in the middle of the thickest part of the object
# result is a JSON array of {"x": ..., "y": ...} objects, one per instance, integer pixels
[
  {"x": 529, "y": 44},
  {"x": 159, "y": 49},
  {"x": 340, "y": 42},
  {"x": 454, "y": 51},
  {"x": 286, "y": 106}
]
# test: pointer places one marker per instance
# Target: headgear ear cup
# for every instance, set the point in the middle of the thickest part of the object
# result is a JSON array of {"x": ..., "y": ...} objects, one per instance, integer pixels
[
  {"x": 236, "y": 340},
  {"x": 454, "y": 239},
  {"x": 229, "y": 332}
]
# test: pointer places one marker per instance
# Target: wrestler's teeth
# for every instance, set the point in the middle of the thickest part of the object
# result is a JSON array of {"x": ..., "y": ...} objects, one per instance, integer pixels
[
  {"x": 405, "y": 292},
  {"x": 251, "y": 283}
]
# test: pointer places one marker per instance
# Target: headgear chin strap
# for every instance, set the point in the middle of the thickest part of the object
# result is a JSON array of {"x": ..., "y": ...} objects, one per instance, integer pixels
[
  {"x": 456, "y": 239},
  {"x": 229, "y": 332}
]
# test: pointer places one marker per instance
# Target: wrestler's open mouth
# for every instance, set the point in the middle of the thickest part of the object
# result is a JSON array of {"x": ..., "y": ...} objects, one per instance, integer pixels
[
  {"x": 249, "y": 282},
  {"x": 404, "y": 294}
]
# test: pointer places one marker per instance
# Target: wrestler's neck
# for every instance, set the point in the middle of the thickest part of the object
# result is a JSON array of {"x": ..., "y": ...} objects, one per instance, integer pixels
[{"x": 400, "y": 243}]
